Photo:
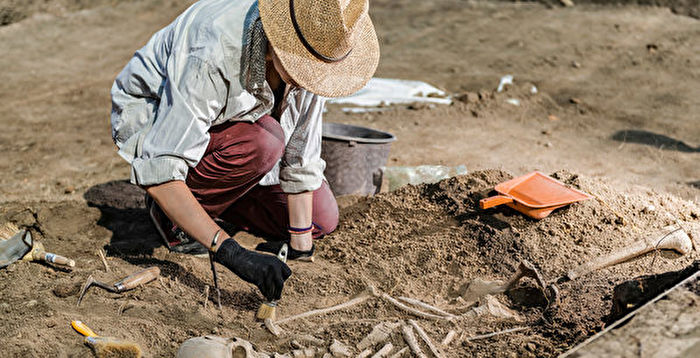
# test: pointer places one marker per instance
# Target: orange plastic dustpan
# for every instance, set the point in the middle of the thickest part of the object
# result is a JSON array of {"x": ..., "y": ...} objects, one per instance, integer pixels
[{"x": 535, "y": 195}]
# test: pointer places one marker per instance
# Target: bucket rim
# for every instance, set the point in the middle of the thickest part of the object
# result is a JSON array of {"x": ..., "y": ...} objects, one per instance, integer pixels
[{"x": 389, "y": 137}]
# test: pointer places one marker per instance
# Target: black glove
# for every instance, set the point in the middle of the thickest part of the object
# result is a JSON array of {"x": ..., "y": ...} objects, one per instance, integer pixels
[{"x": 265, "y": 271}]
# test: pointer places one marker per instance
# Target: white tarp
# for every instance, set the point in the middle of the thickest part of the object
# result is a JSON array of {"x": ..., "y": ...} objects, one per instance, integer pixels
[{"x": 387, "y": 91}]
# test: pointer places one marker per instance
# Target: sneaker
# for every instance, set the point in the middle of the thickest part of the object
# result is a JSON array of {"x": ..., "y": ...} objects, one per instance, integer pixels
[{"x": 174, "y": 238}]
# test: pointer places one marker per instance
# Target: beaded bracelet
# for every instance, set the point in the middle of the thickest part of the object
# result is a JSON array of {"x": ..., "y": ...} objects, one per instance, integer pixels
[{"x": 300, "y": 231}]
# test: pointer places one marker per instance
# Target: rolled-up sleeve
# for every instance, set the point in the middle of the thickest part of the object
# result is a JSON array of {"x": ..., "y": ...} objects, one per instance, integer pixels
[
  {"x": 301, "y": 168},
  {"x": 192, "y": 98}
]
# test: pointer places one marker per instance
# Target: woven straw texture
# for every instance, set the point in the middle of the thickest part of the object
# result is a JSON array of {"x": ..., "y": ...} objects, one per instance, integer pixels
[{"x": 332, "y": 28}]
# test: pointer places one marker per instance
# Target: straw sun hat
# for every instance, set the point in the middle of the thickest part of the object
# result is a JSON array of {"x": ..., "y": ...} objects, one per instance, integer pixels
[{"x": 328, "y": 47}]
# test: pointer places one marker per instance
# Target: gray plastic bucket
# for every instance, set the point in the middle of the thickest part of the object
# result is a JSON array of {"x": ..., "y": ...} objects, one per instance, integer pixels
[{"x": 353, "y": 157}]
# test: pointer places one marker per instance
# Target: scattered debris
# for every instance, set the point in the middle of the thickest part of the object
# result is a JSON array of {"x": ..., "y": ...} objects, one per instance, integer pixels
[
  {"x": 513, "y": 101},
  {"x": 505, "y": 81}
]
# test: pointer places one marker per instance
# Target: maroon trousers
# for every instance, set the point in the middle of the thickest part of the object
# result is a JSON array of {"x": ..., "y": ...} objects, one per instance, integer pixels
[{"x": 225, "y": 182}]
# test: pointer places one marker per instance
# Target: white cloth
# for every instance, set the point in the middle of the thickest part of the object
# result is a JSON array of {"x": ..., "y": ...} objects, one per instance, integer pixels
[{"x": 387, "y": 91}]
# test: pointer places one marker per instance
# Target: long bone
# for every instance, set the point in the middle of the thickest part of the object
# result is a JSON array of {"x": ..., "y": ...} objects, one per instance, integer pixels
[{"x": 671, "y": 238}]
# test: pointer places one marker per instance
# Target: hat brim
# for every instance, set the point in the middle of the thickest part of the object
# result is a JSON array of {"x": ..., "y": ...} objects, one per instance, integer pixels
[{"x": 328, "y": 79}]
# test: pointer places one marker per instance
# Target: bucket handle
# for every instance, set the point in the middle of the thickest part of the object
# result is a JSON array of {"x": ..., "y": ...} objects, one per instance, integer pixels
[{"x": 490, "y": 202}]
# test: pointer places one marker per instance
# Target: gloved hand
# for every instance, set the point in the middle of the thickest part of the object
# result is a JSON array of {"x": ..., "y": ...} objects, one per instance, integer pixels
[{"x": 265, "y": 271}]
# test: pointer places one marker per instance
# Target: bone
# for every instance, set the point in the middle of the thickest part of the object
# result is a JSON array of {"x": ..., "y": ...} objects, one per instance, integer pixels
[
  {"x": 448, "y": 338},
  {"x": 426, "y": 306},
  {"x": 364, "y": 354},
  {"x": 272, "y": 327},
  {"x": 379, "y": 334},
  {"x": 670, "y": 238},
  {"x": 492, "y": 334},
  {"x": 384, "y": 351},
  {"x": 362, "y": 297},
  {"x": 400, "y": 353},
  {"x": 479, "y": 288},
  {"x": 411, "y": 340},
  {"x": 426, "y": 339},
  {"x": 413, "y": 310},
  {"x": 494, "y": 307},
  {"x": 340, "y": 349}
]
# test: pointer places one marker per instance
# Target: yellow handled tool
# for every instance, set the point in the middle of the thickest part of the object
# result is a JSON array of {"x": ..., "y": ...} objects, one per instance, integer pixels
[{"x": 107, "y": 346}]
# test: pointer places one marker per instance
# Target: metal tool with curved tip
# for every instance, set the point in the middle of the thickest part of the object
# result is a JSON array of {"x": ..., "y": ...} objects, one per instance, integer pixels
[{"x": 130, "y": 282}]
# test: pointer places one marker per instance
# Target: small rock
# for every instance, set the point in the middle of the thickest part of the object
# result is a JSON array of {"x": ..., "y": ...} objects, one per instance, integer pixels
[
  {"x": 483, "y": 94},
  {"x": 31, "y": 303},
  {"x": 649, "y": 209},
  {"x": 66, "y": 290},
  {"x": 467, "y": 97},
  {"x": 421, "y": 105},
  {"x": 51, "y": 324},
  {"x": 552, "y": 117},
  {"x": 652, "y": 48},
  {"x": 546, "y": 132},
  {"x": 575, "y": 100},
  {"x": 531, "y": 347},
  {"x": 5, "y": 307},
  {"x": 295, "y": 344},
  {"x": 69, "y": 189},
  {"x": 575, "y": 64},
  {"x": 548, "y": 144}
]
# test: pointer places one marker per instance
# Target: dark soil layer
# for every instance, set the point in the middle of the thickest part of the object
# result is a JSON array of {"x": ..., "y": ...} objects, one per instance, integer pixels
[{"x": 425, "y": 242}]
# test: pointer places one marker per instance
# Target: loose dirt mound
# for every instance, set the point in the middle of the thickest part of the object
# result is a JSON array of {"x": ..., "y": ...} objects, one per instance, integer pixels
[{"x": 425, "y": 242}]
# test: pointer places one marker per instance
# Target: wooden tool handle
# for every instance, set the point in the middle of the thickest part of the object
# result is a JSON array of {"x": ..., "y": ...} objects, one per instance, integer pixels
[
  {"x": 83, "y": 329},
  {"x": 137, "y": 279},
  {"x": 494, "y": 201},
  {"x": 56, "y": 259}
]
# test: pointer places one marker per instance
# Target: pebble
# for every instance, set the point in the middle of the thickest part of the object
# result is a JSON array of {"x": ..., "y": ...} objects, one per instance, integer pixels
[
  {"x": 575, "y": 64},
  {"x": 548, "y": 144},
  {"x": 31, "y": 303},
  {"x": 575, "y": 100}
]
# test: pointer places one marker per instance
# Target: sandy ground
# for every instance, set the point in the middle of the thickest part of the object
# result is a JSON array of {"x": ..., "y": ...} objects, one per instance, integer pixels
[{"x": 617, "y": 103}]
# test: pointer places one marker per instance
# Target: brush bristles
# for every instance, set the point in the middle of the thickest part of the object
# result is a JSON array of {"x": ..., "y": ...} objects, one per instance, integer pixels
[
  {"x": 113, "y": 348},
  {"x": 8, "y": 230},
  {"x": 266, "y": 311}
]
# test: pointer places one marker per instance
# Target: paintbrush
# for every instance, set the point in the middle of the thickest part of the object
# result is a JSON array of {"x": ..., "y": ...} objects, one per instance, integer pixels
[
  {"x": 107, "y": 347},
  {"x": 268, "y": 309}
]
